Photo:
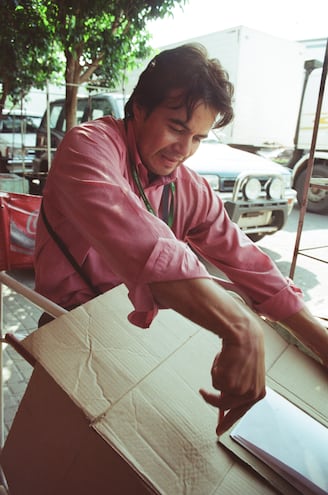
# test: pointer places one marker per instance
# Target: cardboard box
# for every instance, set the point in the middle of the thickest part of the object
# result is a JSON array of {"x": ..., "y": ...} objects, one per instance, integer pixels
[{"x": 113, "y": 409}]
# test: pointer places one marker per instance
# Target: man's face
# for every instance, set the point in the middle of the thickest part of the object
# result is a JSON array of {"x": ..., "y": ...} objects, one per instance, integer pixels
[{"x": 165, "y": 138}]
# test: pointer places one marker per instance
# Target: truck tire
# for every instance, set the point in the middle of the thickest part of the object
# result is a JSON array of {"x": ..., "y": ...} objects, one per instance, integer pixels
[
  {"x": 255, "y": 237},
  {"x": 317, "y": 198}
]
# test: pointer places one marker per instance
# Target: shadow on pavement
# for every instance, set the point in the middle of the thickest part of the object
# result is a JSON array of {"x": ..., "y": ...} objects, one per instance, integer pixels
[{"x": 304, "y": 279}]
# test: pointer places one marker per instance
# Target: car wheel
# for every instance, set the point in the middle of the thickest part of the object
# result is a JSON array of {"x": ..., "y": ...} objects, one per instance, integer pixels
[
  {"x": 3, "y": 166},
  {"x": 317, "y": 198},
  {"x": 44, "y": 166},
  {"x": 255, "y": 237}
]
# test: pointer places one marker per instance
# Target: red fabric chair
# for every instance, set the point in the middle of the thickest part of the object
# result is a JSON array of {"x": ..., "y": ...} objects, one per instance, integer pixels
[{"x": 18, "y": 219}]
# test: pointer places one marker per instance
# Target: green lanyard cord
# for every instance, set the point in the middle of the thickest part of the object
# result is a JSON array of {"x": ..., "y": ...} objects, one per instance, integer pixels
[{"x": 168, "y": 212}]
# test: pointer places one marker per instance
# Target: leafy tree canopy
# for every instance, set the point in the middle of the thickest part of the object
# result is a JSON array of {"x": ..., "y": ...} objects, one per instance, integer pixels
[
  {"x": 98, "y": 40},
  {"x": 26, "y": 57}
]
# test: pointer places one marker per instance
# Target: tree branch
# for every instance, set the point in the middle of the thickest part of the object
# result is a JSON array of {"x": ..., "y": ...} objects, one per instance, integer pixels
[{"x": 90, "y": 69}]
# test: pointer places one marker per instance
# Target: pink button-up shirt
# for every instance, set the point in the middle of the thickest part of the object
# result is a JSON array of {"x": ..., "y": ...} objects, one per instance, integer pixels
[{"x": 92, "y": 202}]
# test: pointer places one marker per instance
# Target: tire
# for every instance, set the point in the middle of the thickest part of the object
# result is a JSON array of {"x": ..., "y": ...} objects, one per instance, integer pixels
[
  {"x": 3, "y": 166},
  {"x": 44, "y": 166},
  {"x": 317, "y": 198},
  {"x": 255, "y": 237}
]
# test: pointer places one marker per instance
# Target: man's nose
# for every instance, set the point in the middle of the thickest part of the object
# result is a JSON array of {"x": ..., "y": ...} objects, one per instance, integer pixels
[{"x": 184, "y": 145}]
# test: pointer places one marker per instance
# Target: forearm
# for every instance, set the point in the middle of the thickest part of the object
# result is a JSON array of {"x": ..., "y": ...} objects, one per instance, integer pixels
[
  {"x": 310, "y": 331},
  {"x": 204, "y": 302}
]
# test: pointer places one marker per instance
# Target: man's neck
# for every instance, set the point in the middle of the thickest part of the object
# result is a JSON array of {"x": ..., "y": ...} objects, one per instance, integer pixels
[{"x": 152, "y": 177}]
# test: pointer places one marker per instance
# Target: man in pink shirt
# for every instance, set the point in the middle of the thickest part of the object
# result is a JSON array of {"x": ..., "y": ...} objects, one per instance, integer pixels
[{"x": 120, "y": 202}]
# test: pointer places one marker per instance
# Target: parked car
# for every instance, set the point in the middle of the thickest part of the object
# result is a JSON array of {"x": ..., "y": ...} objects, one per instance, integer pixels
[
  {"x": 256, "y": 192},
  {"x": 17, "y": 140},
  {"x": 88, "y": 108}
]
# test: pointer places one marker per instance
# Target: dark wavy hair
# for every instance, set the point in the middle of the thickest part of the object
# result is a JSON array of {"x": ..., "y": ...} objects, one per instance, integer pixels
[{"x": 186, "y": 68}]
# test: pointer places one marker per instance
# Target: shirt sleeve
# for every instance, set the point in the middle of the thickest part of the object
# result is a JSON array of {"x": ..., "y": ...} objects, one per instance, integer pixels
[{"x": 222, "y": 243}]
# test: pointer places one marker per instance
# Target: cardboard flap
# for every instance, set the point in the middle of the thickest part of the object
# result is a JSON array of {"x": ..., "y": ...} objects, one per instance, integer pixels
[
  {"x": 139, "y": 391},
  {"x": 178, "y": 451},
  {"x": 97, "y": 356}
]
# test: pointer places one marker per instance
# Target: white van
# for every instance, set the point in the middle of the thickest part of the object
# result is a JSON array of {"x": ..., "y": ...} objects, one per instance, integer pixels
[{"x": 17, "y": 140}]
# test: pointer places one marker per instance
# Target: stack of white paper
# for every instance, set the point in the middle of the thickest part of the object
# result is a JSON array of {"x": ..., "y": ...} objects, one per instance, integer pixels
[{"x": 288, "y": 440}]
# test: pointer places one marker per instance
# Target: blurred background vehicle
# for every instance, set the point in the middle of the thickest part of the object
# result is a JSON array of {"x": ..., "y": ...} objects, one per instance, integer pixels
[
  {"x": 256, "y": 192},
  {"x": 88, "y": 108},
  {"x": 17, "y": 140}
]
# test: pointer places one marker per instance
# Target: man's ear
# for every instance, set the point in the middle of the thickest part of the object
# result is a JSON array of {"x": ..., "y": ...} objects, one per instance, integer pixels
[{"x": 138, "y": 112}]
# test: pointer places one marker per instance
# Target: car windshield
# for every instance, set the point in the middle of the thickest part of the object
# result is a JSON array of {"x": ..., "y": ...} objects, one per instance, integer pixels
[{"x": 19, "y": 123}]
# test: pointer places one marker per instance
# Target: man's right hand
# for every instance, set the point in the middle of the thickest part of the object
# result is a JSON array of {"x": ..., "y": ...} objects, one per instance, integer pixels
[
  {"x": 238, "y": 371},
  {"x": 238, "y": 374}
]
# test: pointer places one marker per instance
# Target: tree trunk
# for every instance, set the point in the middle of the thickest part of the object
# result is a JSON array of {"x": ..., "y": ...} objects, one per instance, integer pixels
[
  {"x": 4, "y": 95},
  {"x": 72, "y": 87}
]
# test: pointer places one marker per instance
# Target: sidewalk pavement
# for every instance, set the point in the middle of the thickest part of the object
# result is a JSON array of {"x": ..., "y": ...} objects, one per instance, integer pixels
[{"x": 21, "y": 318}]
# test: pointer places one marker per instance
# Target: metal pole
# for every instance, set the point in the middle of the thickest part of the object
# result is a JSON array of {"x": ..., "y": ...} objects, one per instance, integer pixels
[
  {"x": 310, "y": 163},
  {"x": 35, "y": 298}
]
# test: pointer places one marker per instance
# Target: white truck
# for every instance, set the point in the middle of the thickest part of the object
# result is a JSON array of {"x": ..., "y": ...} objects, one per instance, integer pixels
[
  {"x": 317, "y": 197},
  {"x": 272, "y": 109},
  {"x": 267, "y": 74}
]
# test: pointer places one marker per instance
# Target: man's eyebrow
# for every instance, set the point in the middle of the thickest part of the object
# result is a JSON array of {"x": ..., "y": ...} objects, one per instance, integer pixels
[{"x": 183, "y": 124}]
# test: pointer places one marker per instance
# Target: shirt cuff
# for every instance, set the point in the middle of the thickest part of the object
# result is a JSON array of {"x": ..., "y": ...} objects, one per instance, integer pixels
[
  {"x": 170, "y": 260},
  {"x": 283, "y": 304}
]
